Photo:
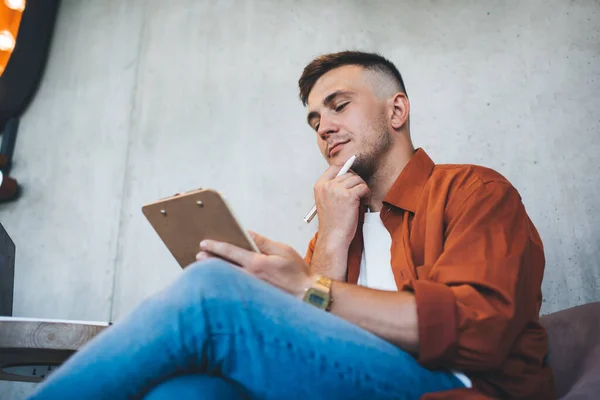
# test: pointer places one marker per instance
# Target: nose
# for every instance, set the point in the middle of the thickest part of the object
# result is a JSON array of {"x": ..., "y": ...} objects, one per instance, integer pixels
[{"x": 326, "y": 127}]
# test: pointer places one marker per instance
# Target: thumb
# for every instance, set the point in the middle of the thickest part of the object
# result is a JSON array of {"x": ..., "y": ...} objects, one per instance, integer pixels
[
  {"x": 330, "y": 173},
  {"x": 265, "y": 245}
]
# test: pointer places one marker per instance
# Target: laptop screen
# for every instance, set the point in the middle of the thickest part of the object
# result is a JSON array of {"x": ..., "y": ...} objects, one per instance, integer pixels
[{"x": 7, "y": 272}]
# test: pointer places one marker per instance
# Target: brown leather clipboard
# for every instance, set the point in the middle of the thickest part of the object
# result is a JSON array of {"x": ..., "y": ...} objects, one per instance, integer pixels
[{"x": 184, "y": 220}]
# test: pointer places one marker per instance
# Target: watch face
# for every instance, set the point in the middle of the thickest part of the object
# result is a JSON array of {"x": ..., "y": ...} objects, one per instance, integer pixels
[{"x": 317, "y": 298}]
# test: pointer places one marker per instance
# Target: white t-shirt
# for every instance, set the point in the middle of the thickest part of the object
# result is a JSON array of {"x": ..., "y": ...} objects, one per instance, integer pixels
[{"x": 376, "y": 263}]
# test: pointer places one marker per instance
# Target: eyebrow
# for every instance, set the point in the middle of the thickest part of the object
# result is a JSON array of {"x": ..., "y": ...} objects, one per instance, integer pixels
[{"x": 328, "y": 100}]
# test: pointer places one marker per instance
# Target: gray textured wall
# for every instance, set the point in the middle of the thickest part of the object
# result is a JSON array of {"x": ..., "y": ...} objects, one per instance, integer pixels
[{"x": 143, "y": 99}]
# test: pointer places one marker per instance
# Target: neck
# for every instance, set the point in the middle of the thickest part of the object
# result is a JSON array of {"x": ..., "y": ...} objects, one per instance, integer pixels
[{"x": 390, "y": 167}]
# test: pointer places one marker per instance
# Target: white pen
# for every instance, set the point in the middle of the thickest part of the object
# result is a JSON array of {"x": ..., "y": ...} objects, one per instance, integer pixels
[{"x": 313, "y": 211}]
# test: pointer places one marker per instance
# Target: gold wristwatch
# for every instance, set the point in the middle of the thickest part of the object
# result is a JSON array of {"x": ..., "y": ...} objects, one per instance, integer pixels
[{"x": 319, "y": 293}]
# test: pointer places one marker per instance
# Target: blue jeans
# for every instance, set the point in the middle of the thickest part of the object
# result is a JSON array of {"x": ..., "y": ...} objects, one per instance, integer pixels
[{"x": 220, "y": 333}]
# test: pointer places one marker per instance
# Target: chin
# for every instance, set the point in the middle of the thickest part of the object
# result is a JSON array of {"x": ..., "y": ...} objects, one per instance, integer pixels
[
  {"x": 363, "y": 168},
  {"x": 341, "y": 157}
]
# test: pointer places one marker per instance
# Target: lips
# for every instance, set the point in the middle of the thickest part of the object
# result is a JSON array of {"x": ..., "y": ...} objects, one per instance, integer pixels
[{"x": 335, "y": 148}]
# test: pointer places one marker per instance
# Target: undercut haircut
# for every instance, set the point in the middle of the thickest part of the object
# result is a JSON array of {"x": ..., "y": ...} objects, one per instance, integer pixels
[{"x": 369, "y": 61}]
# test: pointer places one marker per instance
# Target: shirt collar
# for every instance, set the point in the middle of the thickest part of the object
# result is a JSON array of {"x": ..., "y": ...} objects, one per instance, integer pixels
[{"x": 406, "y": 190}]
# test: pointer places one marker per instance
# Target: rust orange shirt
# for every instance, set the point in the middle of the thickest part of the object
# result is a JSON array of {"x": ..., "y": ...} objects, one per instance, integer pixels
[{"x": 464, "y": 244}]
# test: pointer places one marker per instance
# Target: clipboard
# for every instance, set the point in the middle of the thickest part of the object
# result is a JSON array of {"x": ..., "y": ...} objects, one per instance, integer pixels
[{"x": 182, "y": 221}]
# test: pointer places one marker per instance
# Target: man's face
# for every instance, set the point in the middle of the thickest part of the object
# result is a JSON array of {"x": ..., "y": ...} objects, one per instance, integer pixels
[{"x": 349, "y": 119}]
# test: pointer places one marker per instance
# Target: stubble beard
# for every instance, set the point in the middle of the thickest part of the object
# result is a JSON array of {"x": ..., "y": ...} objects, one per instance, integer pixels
[{"x": 368, "y": 162}]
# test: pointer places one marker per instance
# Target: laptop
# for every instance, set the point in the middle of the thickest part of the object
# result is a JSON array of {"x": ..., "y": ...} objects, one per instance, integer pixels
[{"x": 7, "y": 273}]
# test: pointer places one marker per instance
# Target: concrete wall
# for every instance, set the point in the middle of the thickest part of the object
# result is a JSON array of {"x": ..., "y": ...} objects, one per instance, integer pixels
[{"x": 143, "y": 99}]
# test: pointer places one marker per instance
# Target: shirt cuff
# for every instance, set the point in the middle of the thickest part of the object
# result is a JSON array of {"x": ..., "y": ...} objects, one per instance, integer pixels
[{"x": 437, "y": 319}]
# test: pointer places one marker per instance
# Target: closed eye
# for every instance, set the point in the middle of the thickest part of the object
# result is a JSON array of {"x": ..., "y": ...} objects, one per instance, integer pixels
[
  {"x": 341, "y": 106},
  {"x": 337, "y": 109}
]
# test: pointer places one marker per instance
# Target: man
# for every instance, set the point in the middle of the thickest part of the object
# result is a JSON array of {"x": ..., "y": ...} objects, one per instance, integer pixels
[{"x": 435, "y": 272}]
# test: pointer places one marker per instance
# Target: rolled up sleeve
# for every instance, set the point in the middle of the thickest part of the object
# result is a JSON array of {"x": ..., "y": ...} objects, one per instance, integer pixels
[
  {"x": 475, "y": 300},
  {"x": 311, "y": 249}
]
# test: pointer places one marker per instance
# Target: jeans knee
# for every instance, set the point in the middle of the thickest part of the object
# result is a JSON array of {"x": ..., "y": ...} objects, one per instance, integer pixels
[
  {"x": 212, "y": 270},
  {"x": 212, "y": 278},
  {"x": 195, "y": 386}
]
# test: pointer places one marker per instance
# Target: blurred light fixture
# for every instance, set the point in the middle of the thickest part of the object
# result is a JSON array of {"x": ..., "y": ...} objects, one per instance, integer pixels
[
  {"x": 17, "y": 5},
  {"x": 11, "y": 12},
  {"x": 7, "y": 41}
]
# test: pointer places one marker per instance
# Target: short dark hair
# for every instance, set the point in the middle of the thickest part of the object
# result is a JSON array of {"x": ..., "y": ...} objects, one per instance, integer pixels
[{"x": 325, "y": 63}]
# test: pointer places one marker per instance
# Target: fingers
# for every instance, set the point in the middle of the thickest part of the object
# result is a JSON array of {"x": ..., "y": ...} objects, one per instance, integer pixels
[
  {"x": 330, "y": 173},
  {"x": 341, "y": 183},
  {"x": 201, "y": 256},
  {"x": 242, "y": 257},
  {"x": 266, "y": 245},
  {"x": 351, "y": 181},
  {"x": 228, "y": 252},
  {"x": 362, "y": 191},
  {"x": 269, "y": 247},
  {"x": 343, "y": 177}
]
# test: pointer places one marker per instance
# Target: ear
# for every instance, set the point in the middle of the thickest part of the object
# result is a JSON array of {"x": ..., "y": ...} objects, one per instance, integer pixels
[{"x": 400, "y": 110}]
